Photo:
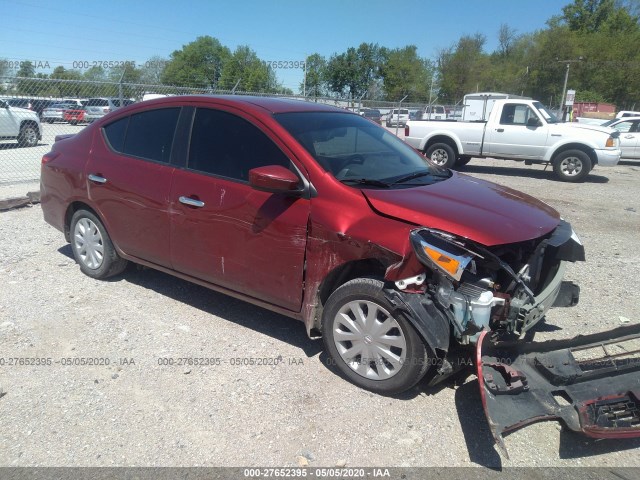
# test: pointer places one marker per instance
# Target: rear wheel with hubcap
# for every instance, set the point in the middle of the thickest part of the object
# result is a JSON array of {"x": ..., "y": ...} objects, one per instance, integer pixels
[
  {"x": 441, "y": 154},
  {"x": 374, "y": 348},
  {"x": 92, "y": 247}
]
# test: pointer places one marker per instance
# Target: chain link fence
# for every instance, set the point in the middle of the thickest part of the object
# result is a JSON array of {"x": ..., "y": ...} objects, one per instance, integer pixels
[{"x": 65, "y": 107}]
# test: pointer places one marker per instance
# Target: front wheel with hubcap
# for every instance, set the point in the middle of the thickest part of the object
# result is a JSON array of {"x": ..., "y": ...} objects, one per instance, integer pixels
[
  {"x": 28, "y": 136},
  {"x": 572, "y": 166},
  {"x": 92, "y": 247},
  {"x": 375, "y": 348},
  {"x": 441, "y": 154}
]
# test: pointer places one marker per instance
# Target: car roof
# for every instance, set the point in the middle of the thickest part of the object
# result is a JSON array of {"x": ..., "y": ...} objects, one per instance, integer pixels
[{"x": 270, "y": 104}]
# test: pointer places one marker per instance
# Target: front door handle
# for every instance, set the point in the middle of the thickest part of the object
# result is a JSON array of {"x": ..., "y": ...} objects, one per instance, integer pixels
[
  {"x": 499, "y": 129},
  {"x": 192, "y": 202},
  {"x": 96, "y": 178},
  {"x": 630, "y": 136}
]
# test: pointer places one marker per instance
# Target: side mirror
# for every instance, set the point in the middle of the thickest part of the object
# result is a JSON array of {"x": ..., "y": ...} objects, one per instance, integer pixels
[
  {"x": 533, "y": 122},
  {"x": 274, "y": 179}
]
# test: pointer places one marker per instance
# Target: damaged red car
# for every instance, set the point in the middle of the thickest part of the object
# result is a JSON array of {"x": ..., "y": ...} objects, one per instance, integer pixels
[{"x": 318, "y": 214}]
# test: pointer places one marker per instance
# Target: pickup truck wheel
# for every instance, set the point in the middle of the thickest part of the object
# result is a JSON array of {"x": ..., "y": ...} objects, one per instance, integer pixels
[
  {"x": 441, "y": 154},
  {"x": 572, "y": 166},
  {"x": 374, "y": 348},
  {"x": 28, "y": 136},
  {"x": 92, "y": 247}
]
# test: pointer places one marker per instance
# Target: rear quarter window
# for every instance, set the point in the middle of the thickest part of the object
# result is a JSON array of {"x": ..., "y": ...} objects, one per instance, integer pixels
[
  {"x": 149, "y": 134},
  {"x": 115, "y": 132}
]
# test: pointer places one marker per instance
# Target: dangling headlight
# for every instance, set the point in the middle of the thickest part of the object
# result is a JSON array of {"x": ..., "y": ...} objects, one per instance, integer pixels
[{"x": 440, "y": 250}]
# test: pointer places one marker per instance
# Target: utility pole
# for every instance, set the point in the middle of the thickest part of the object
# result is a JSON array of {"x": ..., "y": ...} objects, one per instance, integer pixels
[{"x": 566, "y": 79}]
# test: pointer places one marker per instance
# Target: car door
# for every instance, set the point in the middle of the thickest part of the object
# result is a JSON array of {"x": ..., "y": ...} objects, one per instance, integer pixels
[
  {"x": 129, "y": 180},
  {"x": 512, "y": 137},
  {"x": 225, "y": 232},
  {"x": 629, "y": 138}
]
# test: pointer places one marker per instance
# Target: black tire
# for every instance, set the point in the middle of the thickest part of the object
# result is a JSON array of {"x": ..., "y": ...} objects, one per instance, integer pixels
[
  {"x": 91, "y": 264},
  {"x": 28, "y": 136},
  {"x": 572, "y": 165},
  {"x": 50, "y": 121},
  {"x": 412, "y": 358},
  {"x": 73, "y": 122},
  {"x": 441, "y": 155},
  {"x": 462, "y": 160}
]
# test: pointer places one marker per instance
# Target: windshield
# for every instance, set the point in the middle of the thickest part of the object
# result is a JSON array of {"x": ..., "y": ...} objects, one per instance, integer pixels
[
  {"x": 545, "y": 112},
  {"x": 359, "y": 152}
]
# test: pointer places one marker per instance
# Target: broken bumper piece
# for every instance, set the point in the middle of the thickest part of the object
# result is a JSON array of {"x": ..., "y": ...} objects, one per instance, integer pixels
[{"x": 591, "y": 383}]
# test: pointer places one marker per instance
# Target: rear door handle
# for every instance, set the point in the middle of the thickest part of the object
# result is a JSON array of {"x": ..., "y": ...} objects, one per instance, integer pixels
[
  {"x": 96, "y": 178},
  {"x": 192, "y": 202},
  {"x": 499, "y": 129}
]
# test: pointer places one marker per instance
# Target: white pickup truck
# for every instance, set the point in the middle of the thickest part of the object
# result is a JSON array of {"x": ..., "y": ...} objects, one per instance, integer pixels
[{"x": 518, "y": 129}]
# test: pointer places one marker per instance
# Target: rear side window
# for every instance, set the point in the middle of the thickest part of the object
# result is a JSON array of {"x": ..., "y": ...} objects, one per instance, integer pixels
[
  {"x": 227, "y": 145},
  {"x": 115, "y": 133},
  {"x": 150, "y": 134}
]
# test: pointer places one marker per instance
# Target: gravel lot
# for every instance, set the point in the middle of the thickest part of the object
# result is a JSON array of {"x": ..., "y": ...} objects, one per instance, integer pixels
[{"x": 141, "y": 413}]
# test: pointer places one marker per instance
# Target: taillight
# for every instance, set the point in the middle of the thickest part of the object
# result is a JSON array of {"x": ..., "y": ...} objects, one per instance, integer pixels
[
  {"x": 406, "y": 130},
  {"x": 47, "y": 157}
]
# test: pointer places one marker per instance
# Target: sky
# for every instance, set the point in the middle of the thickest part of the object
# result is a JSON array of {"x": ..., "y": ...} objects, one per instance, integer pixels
[{"x": 75, "y": 33}]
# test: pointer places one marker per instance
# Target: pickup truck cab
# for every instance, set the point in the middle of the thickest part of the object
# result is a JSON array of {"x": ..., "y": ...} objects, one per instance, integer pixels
[
  {"x": 518, "y": 129},
  {"x": 19, "y": 124}
]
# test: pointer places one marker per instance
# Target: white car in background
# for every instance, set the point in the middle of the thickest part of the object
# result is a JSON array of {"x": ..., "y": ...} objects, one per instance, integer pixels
[
  {"x": 629, "y": 128},
  {"x": 19, "y": 124}
]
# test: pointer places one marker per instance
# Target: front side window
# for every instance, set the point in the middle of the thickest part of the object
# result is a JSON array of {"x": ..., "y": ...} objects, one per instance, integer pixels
[
  {"x": 514, "y": 114},
  {"x": 227, "y": 145}
]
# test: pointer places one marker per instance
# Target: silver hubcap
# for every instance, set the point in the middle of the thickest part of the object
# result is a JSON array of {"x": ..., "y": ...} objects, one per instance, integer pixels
[
  {"x": 439, "y": 156},
  {"x": 369, "y": 340},
  {"x": 88, "y": 243},
  {"x": 571, "y": 166},
  {"x": 30, "y": 135}
]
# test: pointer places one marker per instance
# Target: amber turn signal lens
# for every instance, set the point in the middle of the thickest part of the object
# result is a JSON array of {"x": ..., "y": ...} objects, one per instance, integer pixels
[
  {"x": 448, "y": 264},
  {"x": 610, "y": 142}
]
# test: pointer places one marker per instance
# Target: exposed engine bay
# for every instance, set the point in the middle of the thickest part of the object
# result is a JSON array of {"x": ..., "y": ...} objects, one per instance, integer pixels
[{"x": 503, "y": 288}]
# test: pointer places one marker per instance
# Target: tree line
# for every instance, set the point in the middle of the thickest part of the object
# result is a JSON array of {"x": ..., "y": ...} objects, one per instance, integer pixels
[{"x": 597, "y": 39}]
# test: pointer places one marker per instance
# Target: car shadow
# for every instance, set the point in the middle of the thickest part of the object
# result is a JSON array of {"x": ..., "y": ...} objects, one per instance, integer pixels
[
  {"x": 475, "y": 427},
  {"x": 14, "y": 146},
  {"x": 523, "y": 172},
  {"x": 575, "y": 445},
  {"x": 228, "y": 308}
]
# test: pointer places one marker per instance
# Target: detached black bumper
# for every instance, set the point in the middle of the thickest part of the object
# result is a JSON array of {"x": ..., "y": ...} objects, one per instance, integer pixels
[{"x": 591, "y": 383}]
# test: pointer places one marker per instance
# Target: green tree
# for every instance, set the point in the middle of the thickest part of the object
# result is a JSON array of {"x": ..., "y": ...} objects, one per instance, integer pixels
[
  {"x": 249, "y": 72},
  {"x": 461, "y": 68},
  {"x": 405, "y": 73},
  {"x": 26, "y": 70},
  {"x": 197, "y": 64},
  {"x": 356, "y": 70},
  {"x": 315, "y": 76}
]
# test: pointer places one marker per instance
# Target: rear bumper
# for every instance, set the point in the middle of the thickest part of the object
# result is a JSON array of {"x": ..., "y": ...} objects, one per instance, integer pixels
[{"x": 608, "y": 158}]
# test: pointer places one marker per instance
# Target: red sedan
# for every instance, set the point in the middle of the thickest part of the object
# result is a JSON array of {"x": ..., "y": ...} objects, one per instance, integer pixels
[
  {"x": 323, "y": 216},
  {"x": 74, "y": 115}
]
